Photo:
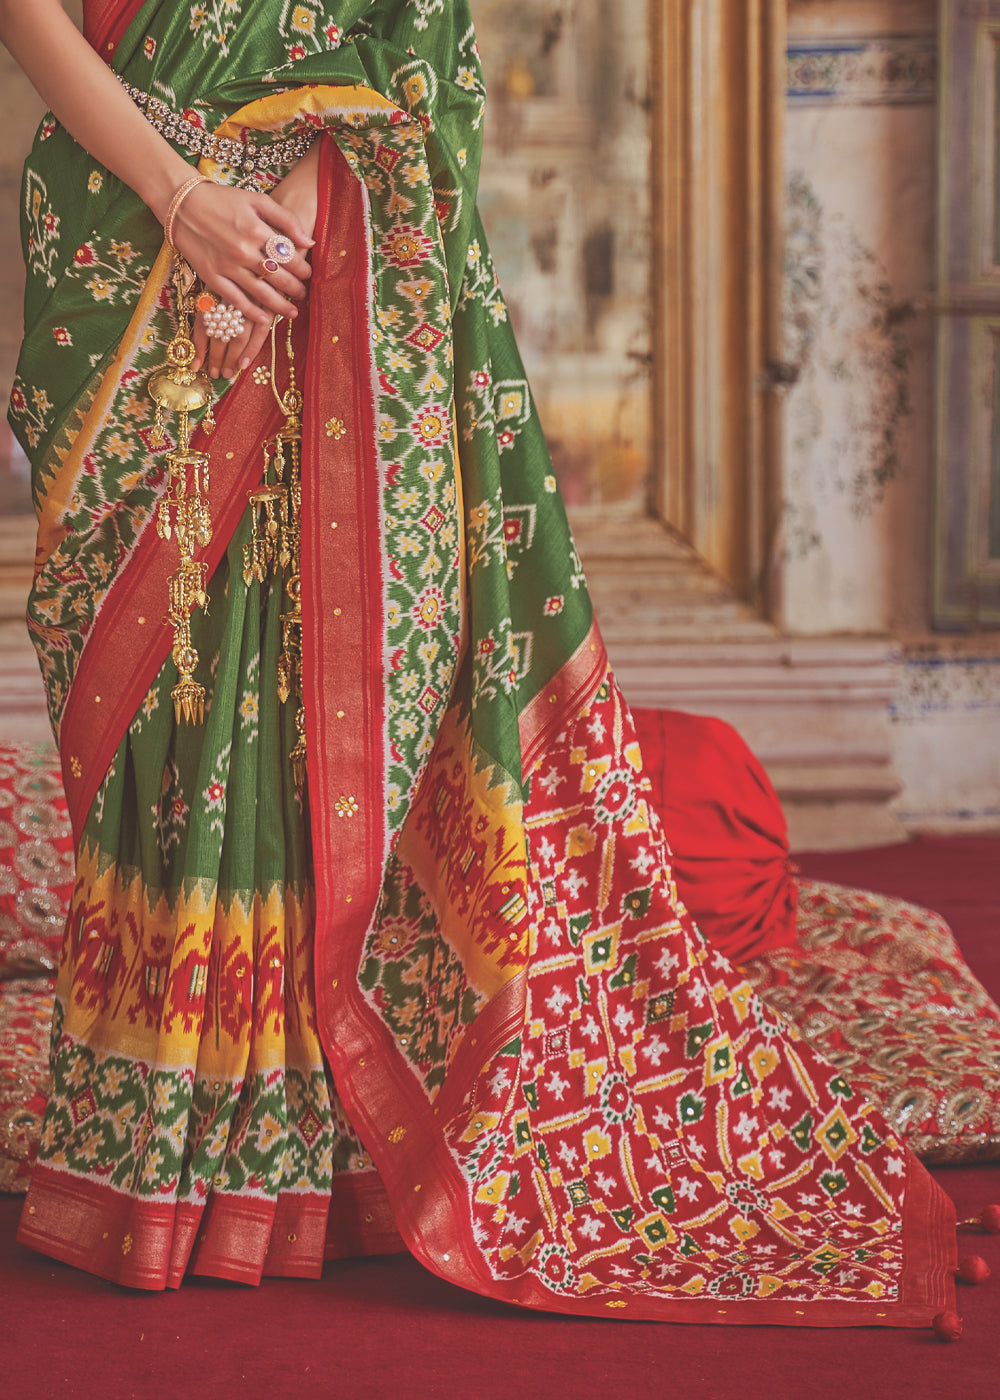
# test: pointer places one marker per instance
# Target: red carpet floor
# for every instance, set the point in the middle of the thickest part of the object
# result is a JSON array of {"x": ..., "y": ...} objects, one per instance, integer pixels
[{"x": 387, "y": 1328}]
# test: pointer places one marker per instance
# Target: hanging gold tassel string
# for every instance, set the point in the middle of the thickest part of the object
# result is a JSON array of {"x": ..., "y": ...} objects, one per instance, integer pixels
[
  {"x": 275, "y": 542},
  {"x": 183, "y": 510}
]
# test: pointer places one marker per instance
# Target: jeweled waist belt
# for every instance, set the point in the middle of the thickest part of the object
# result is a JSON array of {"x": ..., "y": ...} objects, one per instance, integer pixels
[{"x": 248, "y": 158}]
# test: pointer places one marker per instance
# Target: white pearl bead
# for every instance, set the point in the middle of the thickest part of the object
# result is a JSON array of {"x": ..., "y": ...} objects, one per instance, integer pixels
[{"x": 223, "y": 322}]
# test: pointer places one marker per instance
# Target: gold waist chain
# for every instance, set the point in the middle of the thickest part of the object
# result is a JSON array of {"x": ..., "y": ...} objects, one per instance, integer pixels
[{"x": 275, "y": 543}]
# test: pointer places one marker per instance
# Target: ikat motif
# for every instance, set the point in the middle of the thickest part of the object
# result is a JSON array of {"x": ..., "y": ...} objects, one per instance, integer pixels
[
  {"x": 644, "y": 1129},
  {"x": 653, "y": 1117}
]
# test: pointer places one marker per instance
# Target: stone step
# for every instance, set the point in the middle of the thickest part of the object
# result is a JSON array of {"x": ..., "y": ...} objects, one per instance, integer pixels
[
  {"x": 651, "y": 591},
  {"x": 639, "y": 574},
  {"x": 662, "y": 636},
  {"x": 633, "y": 625},
  {"x": 22, "y": 697},
  {"x": 834, "y": 782},
  {"x": 608, "y": 529},
  {"x": 813, "y": 709}
]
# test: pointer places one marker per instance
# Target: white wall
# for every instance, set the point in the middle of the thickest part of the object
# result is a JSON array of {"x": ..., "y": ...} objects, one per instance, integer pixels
[{"x": 861, "y": 157}]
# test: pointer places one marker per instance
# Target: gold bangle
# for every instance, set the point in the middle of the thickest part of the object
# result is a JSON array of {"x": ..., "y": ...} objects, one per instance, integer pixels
[{"x": 177, "y": 201}]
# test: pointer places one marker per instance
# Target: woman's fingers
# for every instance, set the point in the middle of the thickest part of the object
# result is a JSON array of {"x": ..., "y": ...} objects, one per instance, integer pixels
[
  {"x": 292, "y": 277},
  {"x": 233, "y": 294},
  {"x": 200, "y": 337},
  {"x": 264, "y": 295},
  {"x": 283, "y": 219},
  {"x": 258, "y": 335},
  {"x": 288, "y": 274},
  {"x": 284, "y": 283},
  {"x": 224, "y": 356},
  {"x": 277, "y": 219},
  {"x": 222, "y": 233},
  {"x": 227, "y": 358},
  {"x": 236, "y": 348},
  {"x": 216, "y": 356}
]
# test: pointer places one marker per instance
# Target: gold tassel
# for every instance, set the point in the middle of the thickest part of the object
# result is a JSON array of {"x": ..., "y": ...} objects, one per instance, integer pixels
[
  {"x": 298, "y": 753},
  {"x": 275, "y": 542},
  {"x": 183, "y": 511}
]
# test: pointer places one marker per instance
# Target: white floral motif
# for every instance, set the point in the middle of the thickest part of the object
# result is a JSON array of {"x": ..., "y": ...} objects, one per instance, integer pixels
[
  {"x": 110, "y": 270},
  {"x": 512, "y": 409},
  {"x": 215, "y": 21},
  {"x": 249, "y": 706},
  {"x": 416, "y": 85},
  {"x": 171, "y": 811},
  {"x": 214, "y": 795},
  {"x": 31, "y": 408},
  {"x": 424, "y": 9},
  {"x": 482, "y": 284},
  {"x": 478, "y": 406},
  {"x": 42, "y": 226},
  {"x": 311, "y": 21},
  {"x": 470, "y": 77}
]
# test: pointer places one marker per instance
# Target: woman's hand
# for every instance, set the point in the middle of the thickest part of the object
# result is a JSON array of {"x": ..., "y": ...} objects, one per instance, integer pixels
[
  {"x": 236, "y": 277},
  {"x": 220, "y": 231},
  {"x": 298, "y": 191}
]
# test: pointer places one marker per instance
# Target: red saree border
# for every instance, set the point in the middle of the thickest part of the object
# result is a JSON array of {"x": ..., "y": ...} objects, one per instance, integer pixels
[
  {"x": 343, "y": 640},
  {"x": 564, "y": 696},
  {"x": 93, "y": 1227},
  {"x": 343, "y": 647},
  {"x": 150, "y": 1244},
  {"x": 289, "y": 1234},
  {"x": 406, "y": 1137},
  {"x": 430, "y": 1200},
  {"x": 105, "y": 30},
  {"x": 243, "y": 1238},
  {"x": 930, "y": 1241},
  {"x": 361, "y": 1220}
]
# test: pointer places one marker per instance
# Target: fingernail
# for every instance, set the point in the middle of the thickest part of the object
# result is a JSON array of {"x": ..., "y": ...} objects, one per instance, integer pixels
[{"x": 245, "y": 362}]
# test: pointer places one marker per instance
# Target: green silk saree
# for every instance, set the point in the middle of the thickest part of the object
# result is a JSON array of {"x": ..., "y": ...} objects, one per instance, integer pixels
[{"x": 444, "y": 995}]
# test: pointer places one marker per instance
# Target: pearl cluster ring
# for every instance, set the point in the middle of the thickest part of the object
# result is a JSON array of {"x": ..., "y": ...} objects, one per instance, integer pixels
[{"x": 221, "y": 321}]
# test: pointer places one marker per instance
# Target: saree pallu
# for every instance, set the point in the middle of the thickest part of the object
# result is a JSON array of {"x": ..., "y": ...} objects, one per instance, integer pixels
[{"x": 447, "y": 995}]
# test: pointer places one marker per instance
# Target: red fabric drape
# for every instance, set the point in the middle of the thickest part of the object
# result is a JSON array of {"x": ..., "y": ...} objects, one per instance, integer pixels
[
  {"x": 105, "y": 21},
  {"x": 726, "y": 831}
]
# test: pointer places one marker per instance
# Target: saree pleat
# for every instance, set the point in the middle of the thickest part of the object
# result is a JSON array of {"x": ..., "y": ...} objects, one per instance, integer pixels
[{"x": 446, "y": 994}]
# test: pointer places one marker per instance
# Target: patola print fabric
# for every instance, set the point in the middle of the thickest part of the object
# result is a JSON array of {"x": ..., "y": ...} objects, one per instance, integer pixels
[
  {"x": 446, "y": 994},
  {"x": 877, "y": 985}
]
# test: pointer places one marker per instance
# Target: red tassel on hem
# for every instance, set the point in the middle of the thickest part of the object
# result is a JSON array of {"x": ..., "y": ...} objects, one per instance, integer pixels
[{"x": 947, "y": 1326}]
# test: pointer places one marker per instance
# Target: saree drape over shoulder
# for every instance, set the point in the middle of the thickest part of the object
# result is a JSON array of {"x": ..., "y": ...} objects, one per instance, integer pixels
[{"x": 446, "y": 995}]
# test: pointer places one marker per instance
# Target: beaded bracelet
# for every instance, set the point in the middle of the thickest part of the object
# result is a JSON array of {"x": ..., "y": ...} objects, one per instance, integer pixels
[{"x": 177, "y": 201}]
